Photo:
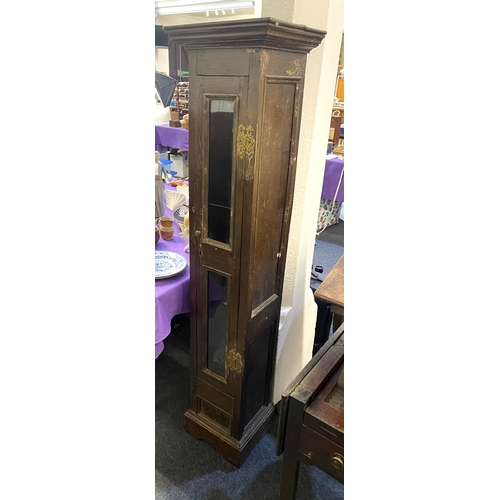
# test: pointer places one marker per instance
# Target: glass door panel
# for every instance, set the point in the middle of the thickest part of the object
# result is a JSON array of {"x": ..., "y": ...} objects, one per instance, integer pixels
[
  {"x": 217, "y": 321},
  {"x": 220, "y": 168}
]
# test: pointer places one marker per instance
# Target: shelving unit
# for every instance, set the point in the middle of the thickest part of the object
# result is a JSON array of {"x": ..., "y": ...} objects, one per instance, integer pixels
[{"x": 181, "y": 98}]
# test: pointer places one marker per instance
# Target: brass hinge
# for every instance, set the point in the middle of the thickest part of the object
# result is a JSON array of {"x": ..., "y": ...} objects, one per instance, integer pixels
[
  {"x": 250, "y": 143},
  {"x": 245, "y": 142},
  {"x": 234, "y": 361}
]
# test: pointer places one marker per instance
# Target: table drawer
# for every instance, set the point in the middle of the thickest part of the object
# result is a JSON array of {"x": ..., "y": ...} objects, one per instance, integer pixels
[{"x": 325, "y": 454}]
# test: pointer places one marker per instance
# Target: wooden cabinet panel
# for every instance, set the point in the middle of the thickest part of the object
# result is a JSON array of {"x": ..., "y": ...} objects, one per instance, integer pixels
[
  {"x": 311, "y": 424},
  {"x": 324, "y": 453}
]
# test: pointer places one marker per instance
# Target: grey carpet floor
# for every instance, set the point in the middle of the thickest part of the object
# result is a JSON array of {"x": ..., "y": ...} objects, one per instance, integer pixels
[
  {"x": 333, "y": 234},
  {"x": 328, "y": 249},
  {"x": 191, "y": 469}
]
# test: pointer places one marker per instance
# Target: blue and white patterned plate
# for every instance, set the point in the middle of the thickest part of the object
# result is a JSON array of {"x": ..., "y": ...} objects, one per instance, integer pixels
[
  {"x": 180, "y": 213},
  {"x": 168, "y": 264}
]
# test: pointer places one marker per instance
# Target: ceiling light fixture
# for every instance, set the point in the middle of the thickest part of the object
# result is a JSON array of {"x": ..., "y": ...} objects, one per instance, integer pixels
[
  {"x": 204, "y": 6},
  {"x": 223, "y": 12},
  {"x": 232, "y": 11},
  {"x": 216, "y": 13},
  {"x": 181, "y": 3},
  {"x": 207, "y": 13}
]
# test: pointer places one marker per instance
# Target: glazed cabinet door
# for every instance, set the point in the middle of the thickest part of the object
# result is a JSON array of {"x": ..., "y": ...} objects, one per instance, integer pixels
[{"x": 215, "y": 221}]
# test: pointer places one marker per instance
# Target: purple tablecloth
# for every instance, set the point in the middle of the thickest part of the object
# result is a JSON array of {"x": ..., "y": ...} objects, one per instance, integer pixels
[
  {"x": 333, "y": 169},
  {"x": 174, "y": 137},
  {"x": 171, "y": 294}
]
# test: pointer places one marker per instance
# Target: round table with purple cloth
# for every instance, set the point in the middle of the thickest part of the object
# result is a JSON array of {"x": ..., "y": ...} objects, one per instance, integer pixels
[{"x": 172, "y": 295}]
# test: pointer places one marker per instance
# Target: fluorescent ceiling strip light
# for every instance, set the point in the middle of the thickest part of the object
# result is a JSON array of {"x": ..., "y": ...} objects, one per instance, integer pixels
[
  {"x": 201, "y": 8},
  {"x": 178, "y": 3}
]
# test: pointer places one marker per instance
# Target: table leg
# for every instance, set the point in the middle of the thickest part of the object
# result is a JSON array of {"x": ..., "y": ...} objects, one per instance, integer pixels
[
  {"x": 289, "y": 476},
  {"x": 290, "y": 471},
  {"x": 323, "y": 325},
  {"x": 337, "y": 321}
]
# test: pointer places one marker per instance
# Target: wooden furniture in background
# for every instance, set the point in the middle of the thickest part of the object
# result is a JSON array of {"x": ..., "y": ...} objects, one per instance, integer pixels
[
  {"x": 331, "y": 291},
  {"x": 338, "y": 139},
  {"x": 341, "y": 110},
  {"x": 246, "y": 81},
  {"x": 340, "y": 89},
  {"x": 335, "y": 123},
  {"x": 181, "y": 98},
  {"x": 311, "y": 420}
]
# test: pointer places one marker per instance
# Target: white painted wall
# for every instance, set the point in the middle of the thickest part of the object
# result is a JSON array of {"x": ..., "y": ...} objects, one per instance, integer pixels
[
  {"x": 298, "y": 318},
  {"x": 161, "y": 59},
  {"x": 257, "y": 8}
]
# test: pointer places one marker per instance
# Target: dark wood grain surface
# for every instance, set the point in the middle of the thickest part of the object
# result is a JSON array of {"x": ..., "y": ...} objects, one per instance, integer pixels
[
  {"x": 313, "y": 418},
  {"x": 246, "y": 81},
  {"x": 332, "y": 288}
]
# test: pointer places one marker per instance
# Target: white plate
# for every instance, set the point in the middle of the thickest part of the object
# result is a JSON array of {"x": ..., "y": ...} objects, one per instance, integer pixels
[{"x": 168, "y": 264}]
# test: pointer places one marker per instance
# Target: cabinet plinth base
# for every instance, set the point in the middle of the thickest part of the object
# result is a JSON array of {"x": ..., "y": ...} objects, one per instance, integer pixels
[{"x": 235, "y": 452}]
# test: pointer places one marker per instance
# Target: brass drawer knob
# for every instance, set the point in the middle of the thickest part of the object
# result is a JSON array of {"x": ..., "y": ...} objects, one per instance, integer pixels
[
  {"x": 338, "y": 461},
  {"x": 197, "y": 233}
]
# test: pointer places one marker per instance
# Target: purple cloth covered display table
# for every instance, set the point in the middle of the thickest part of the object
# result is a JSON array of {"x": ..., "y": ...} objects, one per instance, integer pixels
[
  {"x": 173, "y": 137},
  {"x": 331, "y": 178},
  {"x": 333, "y": 183},
  {"x": 171, "y": 294}
]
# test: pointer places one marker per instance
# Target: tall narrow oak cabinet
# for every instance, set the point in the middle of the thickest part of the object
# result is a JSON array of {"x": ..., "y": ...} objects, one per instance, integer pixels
[{"x": 246, "y": 81}]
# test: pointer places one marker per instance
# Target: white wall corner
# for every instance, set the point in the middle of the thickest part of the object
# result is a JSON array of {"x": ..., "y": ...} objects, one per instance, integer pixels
[
  {"x": 296, "y": 333},
  {"x": 279, "y": 9},
  {"x": 257, "y": 8},
  {"x": 295, "y": 344},
  {"x": 161, "y": 59}
]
